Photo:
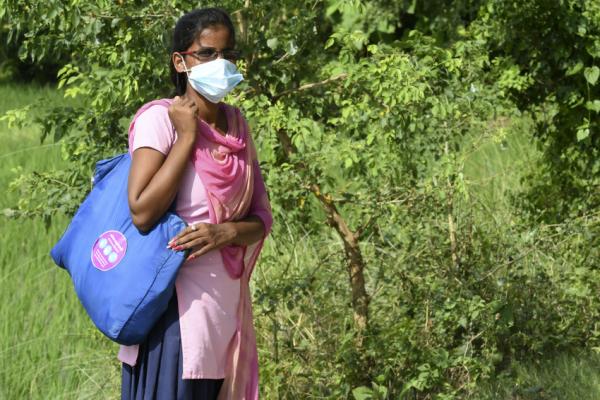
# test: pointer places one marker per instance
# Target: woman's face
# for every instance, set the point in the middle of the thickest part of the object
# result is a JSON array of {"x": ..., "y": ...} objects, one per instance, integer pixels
[{"x": 212, "y": 39}]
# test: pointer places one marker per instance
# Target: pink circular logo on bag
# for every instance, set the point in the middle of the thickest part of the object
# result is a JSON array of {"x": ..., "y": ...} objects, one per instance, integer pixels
[{"x": 108, "y": 250}]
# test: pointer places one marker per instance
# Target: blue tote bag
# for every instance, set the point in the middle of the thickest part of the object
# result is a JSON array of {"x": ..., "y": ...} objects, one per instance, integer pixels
[{"x": 124, "y": 278}]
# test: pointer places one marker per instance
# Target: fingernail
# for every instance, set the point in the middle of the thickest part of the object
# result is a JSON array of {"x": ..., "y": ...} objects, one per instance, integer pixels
[
  {"x": 178, "y": 248},
  {"x": 191, "y": 257}
]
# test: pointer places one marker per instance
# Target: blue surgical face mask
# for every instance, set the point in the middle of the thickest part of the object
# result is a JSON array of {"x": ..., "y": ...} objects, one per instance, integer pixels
[{"x": 214, "y": 79}]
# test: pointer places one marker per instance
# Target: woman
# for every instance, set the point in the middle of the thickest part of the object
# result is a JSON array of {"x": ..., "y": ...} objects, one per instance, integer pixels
[{"x": 196, "y": 151}]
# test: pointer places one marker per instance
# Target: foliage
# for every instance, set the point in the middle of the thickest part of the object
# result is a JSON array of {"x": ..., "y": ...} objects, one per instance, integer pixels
[
  {"x": 556, "y": 47},
  {"x": 386, "y": 276}
]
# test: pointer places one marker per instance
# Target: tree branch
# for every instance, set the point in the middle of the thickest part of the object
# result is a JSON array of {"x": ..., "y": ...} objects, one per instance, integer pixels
[{"x": 307, "y": 86}]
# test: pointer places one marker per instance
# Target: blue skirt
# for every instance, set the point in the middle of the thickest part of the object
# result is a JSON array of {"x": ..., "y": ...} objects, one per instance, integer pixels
[{"x": 157, "y": 373}]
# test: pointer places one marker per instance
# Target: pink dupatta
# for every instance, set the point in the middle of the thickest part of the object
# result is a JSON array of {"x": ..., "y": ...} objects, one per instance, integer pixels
[{"x": 228, "y": 168}]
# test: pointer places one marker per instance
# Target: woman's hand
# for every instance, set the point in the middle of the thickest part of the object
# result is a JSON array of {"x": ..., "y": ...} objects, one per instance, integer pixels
[
  {"x": 183, "y": 113},
  {"x": 202, "y": 238}
]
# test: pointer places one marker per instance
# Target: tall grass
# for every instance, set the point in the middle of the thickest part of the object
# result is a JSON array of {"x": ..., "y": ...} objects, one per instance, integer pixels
[
  {"x": 494, "y": 168},
  {"x": 48, "y": 347},
  {"x": 561, "y": 377},
  {"x": 494, "y": 172}
]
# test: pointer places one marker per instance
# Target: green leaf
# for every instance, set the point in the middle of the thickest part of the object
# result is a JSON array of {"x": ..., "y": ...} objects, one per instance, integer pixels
[
  {"x": 574, "y": 69},
  {"x": 591, "y": 74},
  {"x": 272, "y": 43},
  {"x": 362, "y": 393},
  {"x": 329, "y": 42},
  {"x": 582, "y": 134},
  {"x": 593, "y": 105}
]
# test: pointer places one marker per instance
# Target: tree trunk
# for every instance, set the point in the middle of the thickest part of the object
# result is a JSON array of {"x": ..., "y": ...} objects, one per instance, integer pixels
[{"x": 355, "y": 264}]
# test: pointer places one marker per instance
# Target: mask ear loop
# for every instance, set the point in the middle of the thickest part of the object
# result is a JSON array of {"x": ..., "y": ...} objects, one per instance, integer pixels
[
  {"x": 179, "y": 76},
  {"x": 187, "y": 71}
]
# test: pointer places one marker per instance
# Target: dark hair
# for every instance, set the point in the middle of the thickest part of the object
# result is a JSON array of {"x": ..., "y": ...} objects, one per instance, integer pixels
[{"x": 186, "y": 30}]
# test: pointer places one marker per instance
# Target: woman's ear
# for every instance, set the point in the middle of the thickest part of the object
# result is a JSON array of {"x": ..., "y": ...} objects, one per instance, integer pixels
[{"x": 177, "y": 60}]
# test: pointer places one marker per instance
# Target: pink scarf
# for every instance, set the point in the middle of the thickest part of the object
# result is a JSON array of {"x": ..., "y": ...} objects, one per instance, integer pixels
[
  {"x": 228, "y": 168},
  {"x": 225, "y": 167}
]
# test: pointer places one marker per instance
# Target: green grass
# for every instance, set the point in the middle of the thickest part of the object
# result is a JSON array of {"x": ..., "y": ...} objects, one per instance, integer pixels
[
  {"x": 493, "y": 171},
  {"x": 494, "y": 168},
  {"x": 562, "y": 377},
  {"x": 48, "y": 347}
]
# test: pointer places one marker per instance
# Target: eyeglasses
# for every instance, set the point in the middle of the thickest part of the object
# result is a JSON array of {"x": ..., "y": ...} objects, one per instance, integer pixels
[{"x": 210, "y": 54}]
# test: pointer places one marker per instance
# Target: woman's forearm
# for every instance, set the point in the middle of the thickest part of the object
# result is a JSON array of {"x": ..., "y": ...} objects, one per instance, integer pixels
[{"x": 247, "y": 231}]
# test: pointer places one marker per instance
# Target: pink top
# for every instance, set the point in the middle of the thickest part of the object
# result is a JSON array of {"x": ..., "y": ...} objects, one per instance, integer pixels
[{"x": 207, "y": 296}]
